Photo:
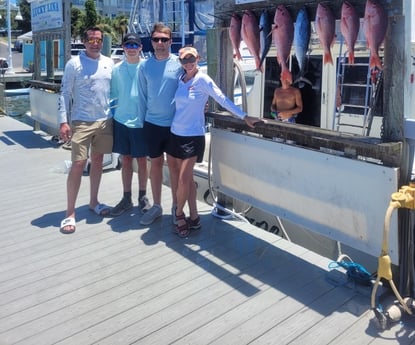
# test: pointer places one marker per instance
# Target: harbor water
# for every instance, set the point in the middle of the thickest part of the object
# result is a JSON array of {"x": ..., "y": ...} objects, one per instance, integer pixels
[{"x": 18, "y": 107}]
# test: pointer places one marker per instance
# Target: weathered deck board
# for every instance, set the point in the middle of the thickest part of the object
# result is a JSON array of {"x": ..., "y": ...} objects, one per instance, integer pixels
[{"x": 116, "y": 282}]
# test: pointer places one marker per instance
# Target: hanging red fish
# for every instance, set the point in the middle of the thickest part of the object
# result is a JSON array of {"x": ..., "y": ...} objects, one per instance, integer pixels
[
  {"x": 325, "y": 27},
  {"x": 349, "y": 27},
  {"x": 375, "y": 25},
  {"x": 282, "y": 36}
]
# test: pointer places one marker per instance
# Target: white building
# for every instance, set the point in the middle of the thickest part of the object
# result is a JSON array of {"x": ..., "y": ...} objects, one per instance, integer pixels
[{"x": 107, "y": 8}]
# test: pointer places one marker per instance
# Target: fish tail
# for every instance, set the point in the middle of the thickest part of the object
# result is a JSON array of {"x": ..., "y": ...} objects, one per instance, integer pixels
[
  {"x": 375, "y": 61},
  {"x": 258, "y": 65},
  {"x": 262, "y": 61},
  {"x": 286, "y": 75},
  {"x": 327, "y": 58},
  {"x": 351, "y": 57}
]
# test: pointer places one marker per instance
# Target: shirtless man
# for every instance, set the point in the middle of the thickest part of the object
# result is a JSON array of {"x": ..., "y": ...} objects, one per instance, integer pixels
[{"x": 286, "y": 103}]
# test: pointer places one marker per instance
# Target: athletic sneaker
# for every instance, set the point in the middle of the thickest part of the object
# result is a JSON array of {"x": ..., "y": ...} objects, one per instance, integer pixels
[
  {"x": 151, "y": 215},
  {"x": 173, "y": 214},
  {"x": 121, "y": 207},
  {"x": 144, "y": 204}
]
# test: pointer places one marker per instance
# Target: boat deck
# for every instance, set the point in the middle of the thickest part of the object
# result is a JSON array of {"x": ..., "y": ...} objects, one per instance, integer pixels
[{"x": 116, "y": 282}]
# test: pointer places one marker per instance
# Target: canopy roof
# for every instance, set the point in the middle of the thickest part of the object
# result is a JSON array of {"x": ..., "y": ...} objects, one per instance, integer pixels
[{"x": 25, "y": 37}]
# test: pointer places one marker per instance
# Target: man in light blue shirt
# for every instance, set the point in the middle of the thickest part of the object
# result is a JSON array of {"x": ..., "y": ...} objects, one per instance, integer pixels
[
  {"x": 157, "y": 83},
  {"x": 129, "y": 140}
]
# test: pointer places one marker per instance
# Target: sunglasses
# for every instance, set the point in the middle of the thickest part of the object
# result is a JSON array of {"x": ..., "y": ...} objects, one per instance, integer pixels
[
  {"x": 131, "y": 45},
  {"x": 191, "y": 59},
  {"x": 94, "y": 40},
  {"x": 160, "y": 39}
]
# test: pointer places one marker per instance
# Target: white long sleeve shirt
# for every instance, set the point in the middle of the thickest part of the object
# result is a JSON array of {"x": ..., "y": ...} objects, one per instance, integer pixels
[
  {"x": 85, "y": 89},
  {"x": 191, "y": 98}
]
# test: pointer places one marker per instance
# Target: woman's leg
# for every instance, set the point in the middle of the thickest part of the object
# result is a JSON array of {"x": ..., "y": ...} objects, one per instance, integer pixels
[{"x": 184, "y": 187}]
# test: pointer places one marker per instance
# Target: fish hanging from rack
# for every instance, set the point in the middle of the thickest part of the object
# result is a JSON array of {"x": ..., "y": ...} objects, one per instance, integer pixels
[
  {"x": 282, "y": 36},
  {"x": 235, "y": 34},
  {"x": 349, "y": 27},
  {"x": 265, "y": 29},
  {"x": 375, "y": 24},
  {"x": 302, "y": 34},
  {"x": 250, "y": 35},
  {"x": 325, "y": 26}
]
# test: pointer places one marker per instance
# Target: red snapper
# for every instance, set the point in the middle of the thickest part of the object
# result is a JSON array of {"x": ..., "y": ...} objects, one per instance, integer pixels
[
  {"x": 325, "y": 27},
  {"x": 349, "y": 27},
  {"x": 375, "y": 24},
  {"x": 250, "y": 34},
  {"x": 282, "y": 36},
  {"x": 235, "y": 34}
]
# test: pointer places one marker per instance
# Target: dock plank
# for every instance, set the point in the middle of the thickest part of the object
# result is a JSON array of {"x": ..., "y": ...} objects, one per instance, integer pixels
[
  {"x": 171, "y": 274},
  {"x": 232, "y": 326},
  {"x": 116, "y": 282},
  {"x": 204, "y": 306}
]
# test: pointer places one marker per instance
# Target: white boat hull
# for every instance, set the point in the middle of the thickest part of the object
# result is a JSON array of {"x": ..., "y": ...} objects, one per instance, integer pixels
[{"x": 283, "y": 227}]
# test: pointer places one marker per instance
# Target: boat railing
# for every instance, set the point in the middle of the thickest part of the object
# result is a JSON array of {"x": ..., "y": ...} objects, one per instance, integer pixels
[{"x": 44, "y": 100}]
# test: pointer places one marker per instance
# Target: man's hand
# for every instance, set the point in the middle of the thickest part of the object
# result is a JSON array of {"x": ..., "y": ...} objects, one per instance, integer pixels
[
  {"x": 251, "y": 121},
  {"x": 65, "y": 131},
  {"x": 284, "y": 115}
]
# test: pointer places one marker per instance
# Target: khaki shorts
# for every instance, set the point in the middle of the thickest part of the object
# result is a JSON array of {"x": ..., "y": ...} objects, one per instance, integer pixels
[{"x": 93, "y": 137}]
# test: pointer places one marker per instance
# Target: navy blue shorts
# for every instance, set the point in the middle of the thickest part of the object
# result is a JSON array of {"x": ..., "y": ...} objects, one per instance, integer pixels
[
  {"x": 129, "y": 141},
  {"x": 187, "y": 147},
  {"x": 157, "y": 139}
]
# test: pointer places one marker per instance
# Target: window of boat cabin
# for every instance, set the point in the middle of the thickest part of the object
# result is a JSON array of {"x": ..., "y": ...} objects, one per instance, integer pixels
[
  {"x": 356, "y": 86},
  {"x": 309, "y": 85}
]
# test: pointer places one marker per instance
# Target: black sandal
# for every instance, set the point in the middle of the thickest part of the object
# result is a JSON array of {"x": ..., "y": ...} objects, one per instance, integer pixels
[
  {"x": 194, "y": 224},
  {"x": 182, "y": 230}
]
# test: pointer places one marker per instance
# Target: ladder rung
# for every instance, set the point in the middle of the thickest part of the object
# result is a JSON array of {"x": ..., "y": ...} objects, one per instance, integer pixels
[
  {"x": 356, "y": 64},
  {"x": 355, "y": 106},
  {"x": 358, "y": 85},
  {"x": 350, "y": 125}
]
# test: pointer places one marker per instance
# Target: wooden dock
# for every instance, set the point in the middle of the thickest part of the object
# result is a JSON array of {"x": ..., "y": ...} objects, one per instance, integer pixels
[
  {"x": 21, "y": 78},
  {"x": 116, "y": 282}
]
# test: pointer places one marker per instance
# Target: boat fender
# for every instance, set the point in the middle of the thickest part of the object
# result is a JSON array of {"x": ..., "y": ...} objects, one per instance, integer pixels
[{"x": 394, "y": 313}]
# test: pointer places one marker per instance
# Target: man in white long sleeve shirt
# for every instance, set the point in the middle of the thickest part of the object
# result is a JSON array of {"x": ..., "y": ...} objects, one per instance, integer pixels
[{"x": 85, "y": 119}]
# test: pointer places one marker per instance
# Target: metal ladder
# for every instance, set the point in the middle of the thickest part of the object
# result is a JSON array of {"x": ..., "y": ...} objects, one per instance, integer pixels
[
  {"x": 174, "y": 15},
  {"x": 357, "y": 114},
  {"x": 133, "y": 16},
  {"x": 174, "y": 12}
]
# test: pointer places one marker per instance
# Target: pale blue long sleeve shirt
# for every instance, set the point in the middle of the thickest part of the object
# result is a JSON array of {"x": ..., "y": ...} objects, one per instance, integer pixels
[
  {"x": 124, "y": 92},
  {"x": 157, "y": 84}
]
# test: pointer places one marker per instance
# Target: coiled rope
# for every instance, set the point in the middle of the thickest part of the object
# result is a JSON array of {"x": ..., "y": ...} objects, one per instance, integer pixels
[{"x": 355, "y": 272}]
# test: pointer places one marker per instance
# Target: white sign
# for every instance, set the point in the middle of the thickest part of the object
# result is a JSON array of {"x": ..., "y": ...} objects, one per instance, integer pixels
[{"x": 46, "y": 15}]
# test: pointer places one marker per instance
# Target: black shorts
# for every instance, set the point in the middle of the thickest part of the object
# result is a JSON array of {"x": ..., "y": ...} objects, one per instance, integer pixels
[
  {"x": 157, "y": 139},
  {"x": 129, "y": 141},
  {"x": 187, "y": 147}
]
